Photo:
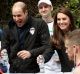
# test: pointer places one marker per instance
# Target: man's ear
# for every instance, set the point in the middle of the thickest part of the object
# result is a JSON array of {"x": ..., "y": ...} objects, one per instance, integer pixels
[
  {"x": 51, "y": 8},
  {"x": 26, "y": 12},
  {"x": 75, "y": 48}
]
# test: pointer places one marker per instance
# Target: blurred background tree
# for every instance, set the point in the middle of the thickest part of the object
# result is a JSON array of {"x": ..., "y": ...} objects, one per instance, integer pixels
[{"x": 73, "y": 5}]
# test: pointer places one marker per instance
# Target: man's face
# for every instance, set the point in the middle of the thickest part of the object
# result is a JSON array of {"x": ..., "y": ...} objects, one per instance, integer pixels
[
  {"x": 45, "y": 10},
  {"x": 69, "y": 50},
  {"x": 19, "y": 16}
]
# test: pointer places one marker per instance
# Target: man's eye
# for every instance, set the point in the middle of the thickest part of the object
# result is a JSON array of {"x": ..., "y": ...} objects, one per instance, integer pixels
[
  {"x": 66, "y": 47},
  {"x": 58, "y": 19}
]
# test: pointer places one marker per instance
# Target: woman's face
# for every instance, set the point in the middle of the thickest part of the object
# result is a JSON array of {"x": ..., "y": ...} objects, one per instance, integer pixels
[{"x": 63, "y": 21}]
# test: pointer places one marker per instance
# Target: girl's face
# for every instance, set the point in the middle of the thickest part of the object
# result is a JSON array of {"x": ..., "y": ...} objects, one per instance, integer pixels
[{"x": 63, "y": 21}]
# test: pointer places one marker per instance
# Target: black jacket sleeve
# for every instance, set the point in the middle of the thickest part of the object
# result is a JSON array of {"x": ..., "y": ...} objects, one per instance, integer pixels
[
  {"x": 47, "y": 55},
  {"x": 44, "y": 37}
]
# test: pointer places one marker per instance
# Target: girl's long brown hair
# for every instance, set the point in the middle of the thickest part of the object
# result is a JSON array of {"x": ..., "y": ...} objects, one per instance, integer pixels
[{"x": 58, "y": 37}]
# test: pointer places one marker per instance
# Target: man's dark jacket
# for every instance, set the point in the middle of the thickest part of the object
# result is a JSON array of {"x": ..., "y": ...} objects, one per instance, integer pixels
[{"x": 36, "y": 41}]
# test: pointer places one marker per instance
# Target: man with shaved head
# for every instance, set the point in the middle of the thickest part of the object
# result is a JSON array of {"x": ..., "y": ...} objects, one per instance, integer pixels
[
  {"x": 20, "y": 14},
  {"x": 72, "y": 44},
  {"x": 25, "y": 38}
]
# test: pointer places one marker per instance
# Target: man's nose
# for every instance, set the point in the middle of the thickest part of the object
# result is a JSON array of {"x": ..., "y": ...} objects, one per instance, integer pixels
[
  {"x": 66, "y": 51},
  {"x": 43, "y": 8},
  {"x": 16, "y": 18}
]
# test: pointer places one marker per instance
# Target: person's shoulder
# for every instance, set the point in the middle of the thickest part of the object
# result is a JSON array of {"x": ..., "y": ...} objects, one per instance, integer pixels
[
  {"x": 8, "y": 25},
  {"x": 38, "y": 22},
  {"x": 37, "y": 19},
  {"x": 77, "y": 70},
  {"x": 11, "y": 23}
]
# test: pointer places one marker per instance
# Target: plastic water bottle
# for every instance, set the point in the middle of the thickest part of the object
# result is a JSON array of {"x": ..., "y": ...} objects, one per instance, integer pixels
[
  {"x": 0, "y": 45},
  {"x": 41, "y": 63},
  {"x": 5, "y": 59}
]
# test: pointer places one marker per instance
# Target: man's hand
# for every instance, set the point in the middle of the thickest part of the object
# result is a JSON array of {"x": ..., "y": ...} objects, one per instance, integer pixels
[{"x": 24, "y": 54}]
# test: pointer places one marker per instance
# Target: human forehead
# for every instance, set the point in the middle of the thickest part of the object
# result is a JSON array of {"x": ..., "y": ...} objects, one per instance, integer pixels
[
  {"x": 16, "y": 10},
  {"x": 67, "y": 43},
  {"x": 61, "y": 15}
]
